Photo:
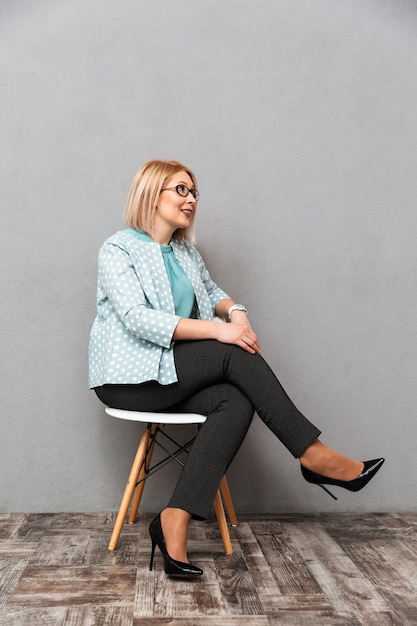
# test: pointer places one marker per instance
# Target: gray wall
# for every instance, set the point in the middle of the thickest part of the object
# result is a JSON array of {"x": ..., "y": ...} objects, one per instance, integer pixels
[{"x": 299, "y": 119}]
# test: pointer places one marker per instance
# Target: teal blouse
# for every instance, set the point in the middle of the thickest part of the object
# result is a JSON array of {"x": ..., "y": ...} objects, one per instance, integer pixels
[{"x": 181, "y": 287}]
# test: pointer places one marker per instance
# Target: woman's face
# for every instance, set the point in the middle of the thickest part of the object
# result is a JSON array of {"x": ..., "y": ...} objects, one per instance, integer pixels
[{"x": 173, "y": 211}]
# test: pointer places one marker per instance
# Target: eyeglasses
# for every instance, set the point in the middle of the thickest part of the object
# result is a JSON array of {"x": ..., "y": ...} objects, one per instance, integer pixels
[{"x": 183, "y": 190}]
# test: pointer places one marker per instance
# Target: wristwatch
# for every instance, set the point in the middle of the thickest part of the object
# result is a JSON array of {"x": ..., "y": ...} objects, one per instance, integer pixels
[{"x": 235, "y": 307}]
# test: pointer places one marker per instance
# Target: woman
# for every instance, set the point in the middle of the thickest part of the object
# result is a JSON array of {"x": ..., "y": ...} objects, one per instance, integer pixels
[{"x": 155, "y": 346}]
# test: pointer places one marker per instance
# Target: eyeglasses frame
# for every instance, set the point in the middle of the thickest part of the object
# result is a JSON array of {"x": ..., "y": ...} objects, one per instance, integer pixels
[{"x": 194, "y": 192}]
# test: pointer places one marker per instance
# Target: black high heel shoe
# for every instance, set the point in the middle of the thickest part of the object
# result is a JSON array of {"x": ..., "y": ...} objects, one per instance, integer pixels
[
  {"x": 369, "y": 471},
  {"x": 171, "y": 566}
]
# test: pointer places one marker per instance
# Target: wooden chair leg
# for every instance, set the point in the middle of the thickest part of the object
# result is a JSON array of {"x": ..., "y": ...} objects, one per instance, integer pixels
[
  {"x": 222, "y": 522},
  {"x": 227, "y": 499},
  {"x": 130, "y": 487},
  {"x": 142, "y": 476}
]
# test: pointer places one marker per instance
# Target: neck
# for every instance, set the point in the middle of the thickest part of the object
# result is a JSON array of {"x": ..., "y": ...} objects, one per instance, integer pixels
[
  {"x": 161, "y": 239},
  {"x": 162, "y": 235}
]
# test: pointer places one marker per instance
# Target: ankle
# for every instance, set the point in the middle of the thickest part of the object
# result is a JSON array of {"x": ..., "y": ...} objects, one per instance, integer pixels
[
  {"x": 177, "y": 518},
  {"x": 321, "y": 459},
  {"x": 315, "y": 455},
  {"x": 174, "y": 523}
]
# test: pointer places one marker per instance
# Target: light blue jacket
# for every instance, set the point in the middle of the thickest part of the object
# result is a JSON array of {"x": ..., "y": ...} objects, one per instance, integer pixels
[{"x": 131, "y": 338}]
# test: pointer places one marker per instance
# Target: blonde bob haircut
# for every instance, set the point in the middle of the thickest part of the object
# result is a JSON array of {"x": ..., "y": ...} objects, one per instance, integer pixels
[{"x": 144, "y": 192}]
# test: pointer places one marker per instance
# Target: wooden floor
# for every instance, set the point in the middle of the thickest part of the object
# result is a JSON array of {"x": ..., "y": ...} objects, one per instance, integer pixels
[{"x": 289, "y": 569}]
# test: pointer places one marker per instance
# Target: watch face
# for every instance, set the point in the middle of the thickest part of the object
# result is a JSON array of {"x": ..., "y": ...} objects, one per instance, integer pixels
[{"x": 236, "y": 307}]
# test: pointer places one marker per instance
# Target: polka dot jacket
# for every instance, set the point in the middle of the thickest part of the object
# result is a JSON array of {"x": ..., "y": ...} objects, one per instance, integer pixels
[{"x": 131, "y": 338}]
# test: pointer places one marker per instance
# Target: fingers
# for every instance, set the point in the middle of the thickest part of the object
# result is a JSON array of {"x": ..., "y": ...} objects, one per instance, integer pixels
[
  {"x": 253, "y": 342},
  {"x": 250, "y": 345},
  {"x": 243, "y": 337},
  {"x": 249, "y": 337},
  {"x": 250, "y": 341}
]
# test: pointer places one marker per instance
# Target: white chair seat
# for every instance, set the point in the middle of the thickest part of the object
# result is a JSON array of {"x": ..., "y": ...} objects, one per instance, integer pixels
[{"x": 157, "y": 418}]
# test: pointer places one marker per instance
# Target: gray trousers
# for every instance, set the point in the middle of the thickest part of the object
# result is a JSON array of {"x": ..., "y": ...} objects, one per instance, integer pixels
[{"x": 227, "y": 384}]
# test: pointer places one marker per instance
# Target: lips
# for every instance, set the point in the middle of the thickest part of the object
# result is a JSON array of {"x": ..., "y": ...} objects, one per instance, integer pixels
[{"x": 187, "y": 212}]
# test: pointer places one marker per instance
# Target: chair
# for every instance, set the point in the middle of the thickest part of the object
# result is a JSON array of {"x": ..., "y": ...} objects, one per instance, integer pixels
[{"x": 141, "y": 468}]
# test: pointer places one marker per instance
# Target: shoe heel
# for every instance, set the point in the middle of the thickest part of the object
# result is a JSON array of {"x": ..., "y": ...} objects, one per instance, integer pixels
[
  {"x": 327, "y": 491},
  {"x": 152, "y": 555}
]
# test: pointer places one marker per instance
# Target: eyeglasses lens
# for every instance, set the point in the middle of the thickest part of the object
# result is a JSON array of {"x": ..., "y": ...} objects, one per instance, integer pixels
[{"x": 184, "y": 191}]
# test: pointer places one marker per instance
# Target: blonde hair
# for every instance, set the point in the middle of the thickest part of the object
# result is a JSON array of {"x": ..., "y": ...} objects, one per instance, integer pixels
[{"x": 144, "y": 192}]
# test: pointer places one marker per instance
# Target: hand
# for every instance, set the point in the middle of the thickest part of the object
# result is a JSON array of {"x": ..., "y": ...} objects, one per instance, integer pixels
[{"x": 239, "y": 332}]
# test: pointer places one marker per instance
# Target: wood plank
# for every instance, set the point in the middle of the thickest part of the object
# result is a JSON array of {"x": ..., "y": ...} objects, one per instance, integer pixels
[
  {"x": 103, "y": 519},
  {"x": 401, "y": 558},
  {"x": 9, "y": 525},
  {"x": 26, "y": 616},
  {"x": 265, "y": 579},
  {"x": 45, "y": 586},
  {"x": 127, "y": 553},
  {"x": 347, "y": 588},
  {"x": 291, "y": 574},
  {"x": 247, "y": 540},
  {"x": 99, "y": 616},
  {"x": 239, "y": 593},
  {"x": 368, "y": 526},
  {"x": 353, "y": 526},
  {"x": 158, "y": 595},
  {"x": 310, "y": 618},
  {"x": 393, "y": 572},
  {"x": 146, "y": 588},
  {"x": 33, "y": 527},
  {"x": 248, "y": 620},
  {"x": 17, "y": 549},
  {"x": 403, "y": 605},
  {"x": 11, "y": 569},
  {"x": 261, "y": 572},
  {"x": 369, "y": 557},
  {"x": 265, "y": 572},
  {"x": 61, "y": 549},
  {"x": 405, "y": 524}
]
